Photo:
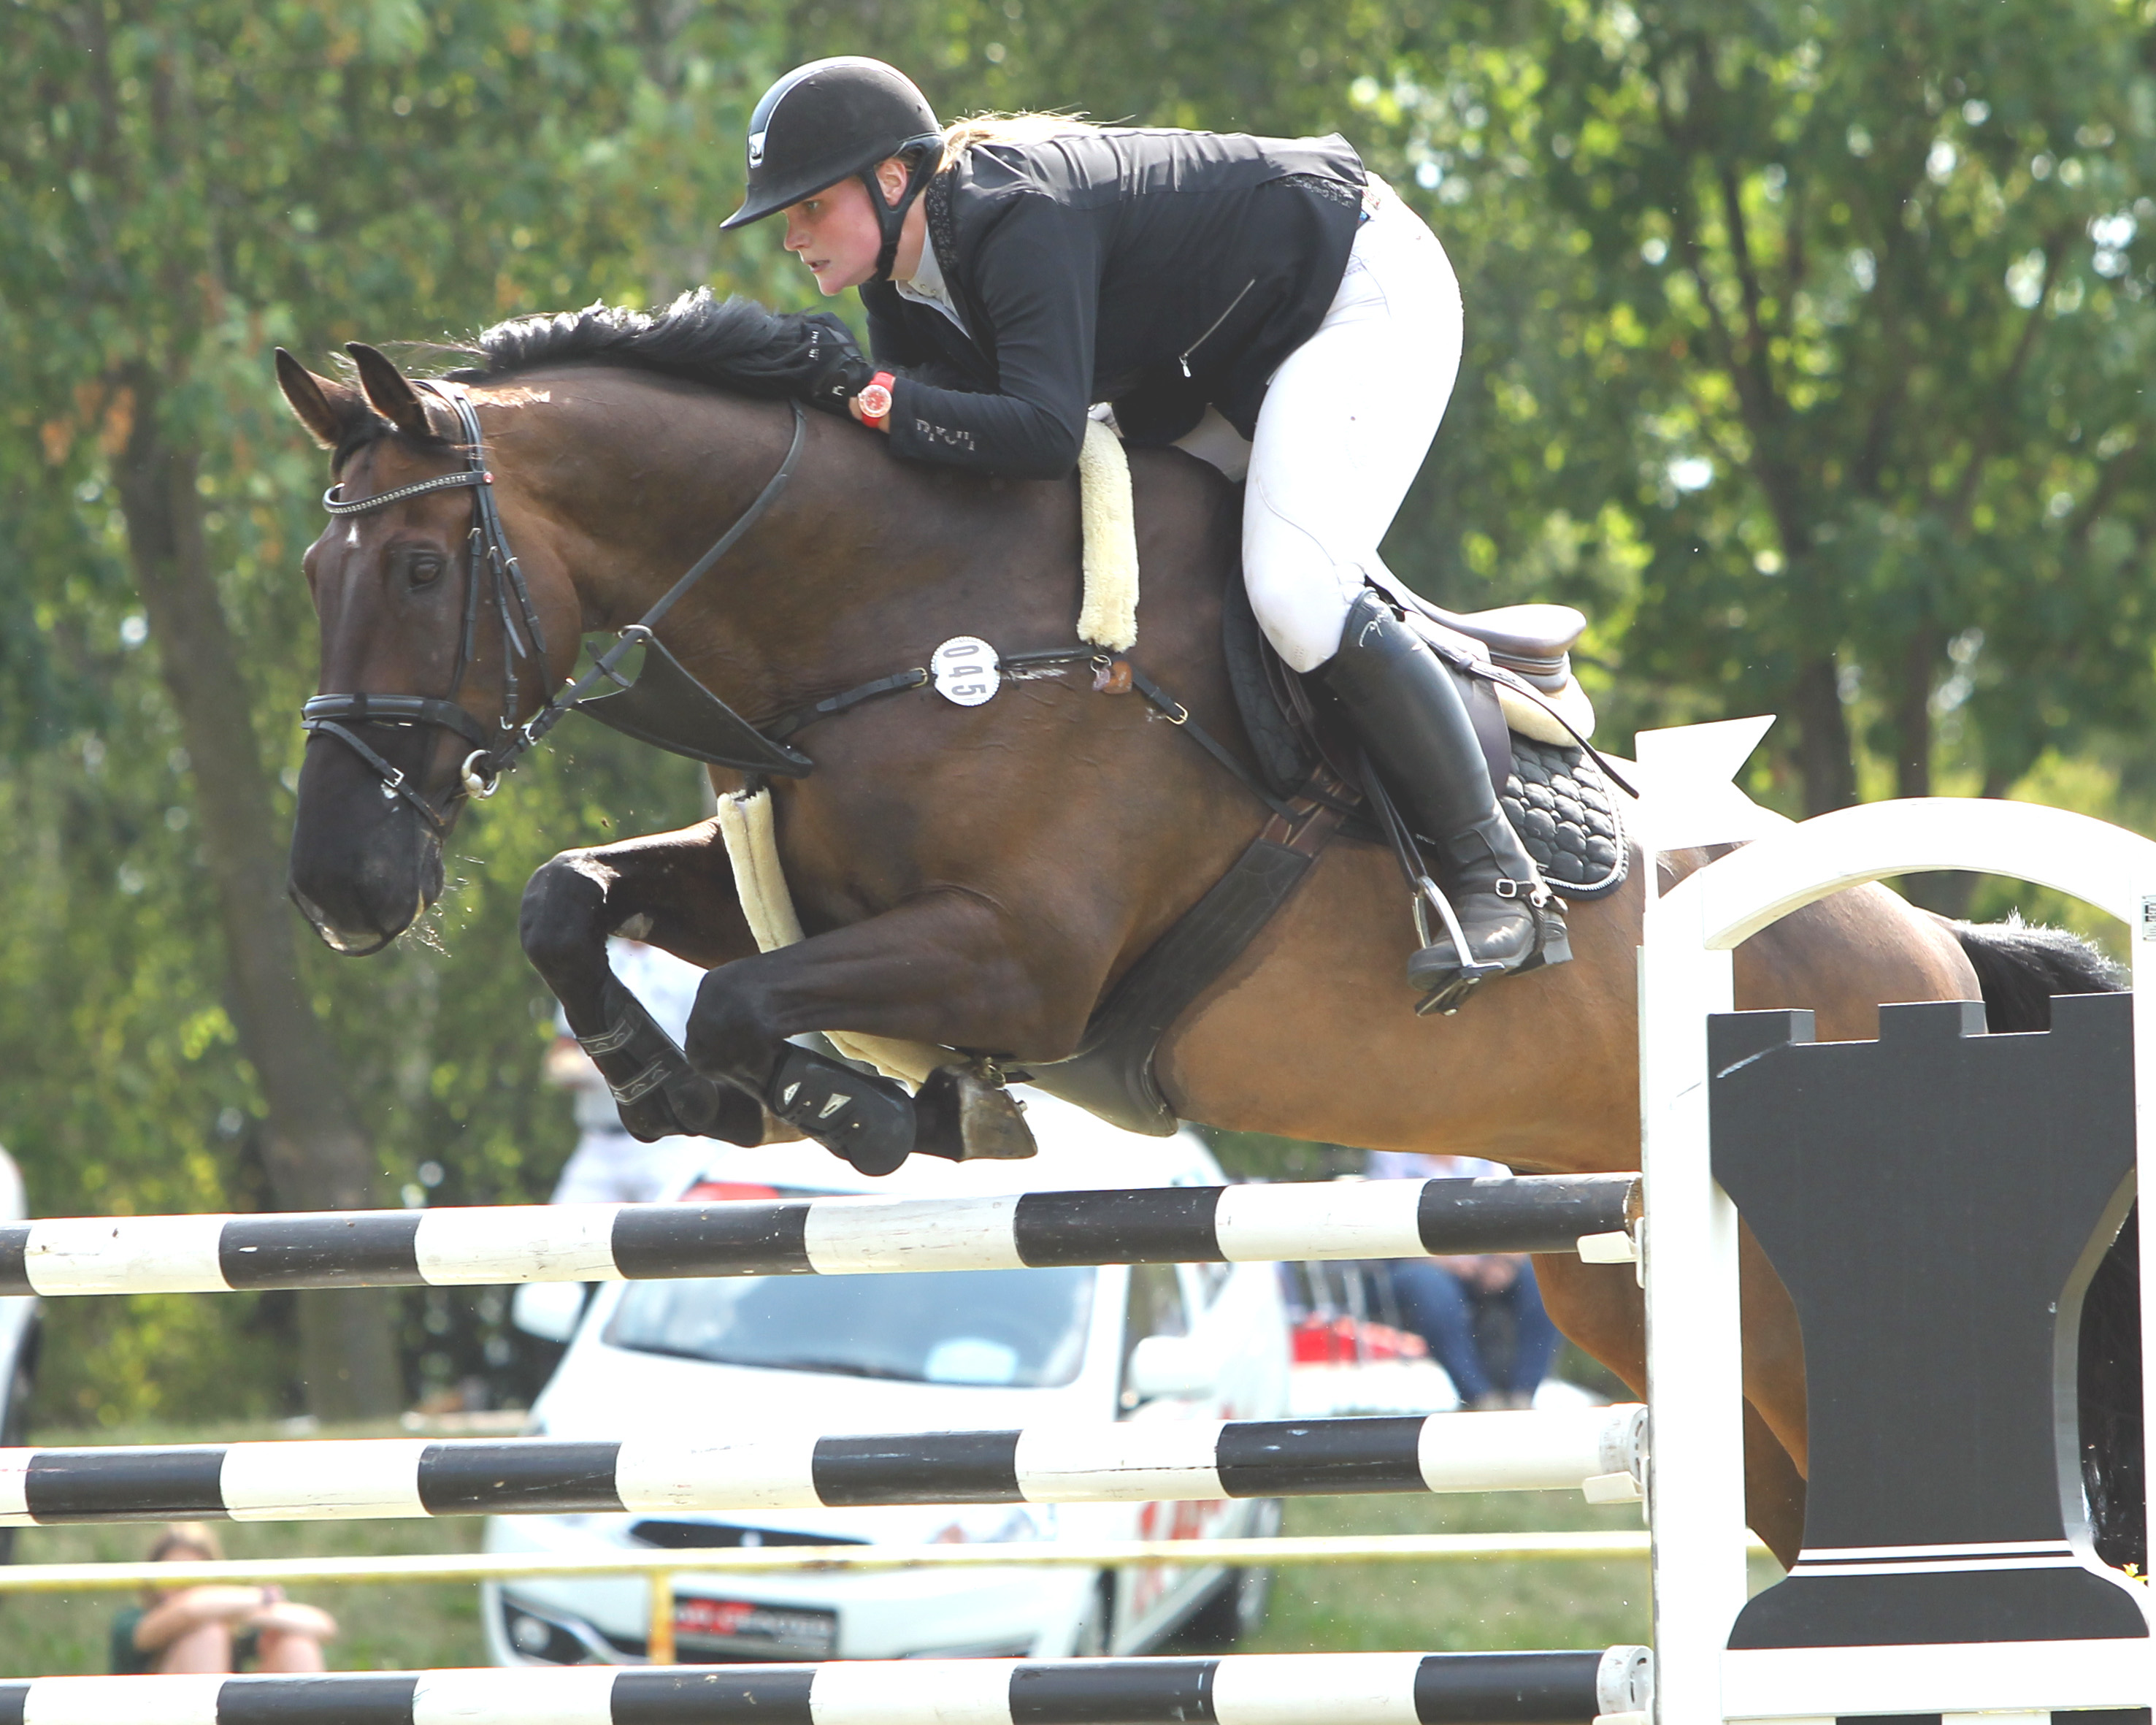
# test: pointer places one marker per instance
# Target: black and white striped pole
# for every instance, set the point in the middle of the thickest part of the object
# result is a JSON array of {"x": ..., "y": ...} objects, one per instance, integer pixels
[
  {"x": 1600, "y": 1451},
  {"x": 1611, "y": 1685},
  {"x": 457, "y": 1247}
]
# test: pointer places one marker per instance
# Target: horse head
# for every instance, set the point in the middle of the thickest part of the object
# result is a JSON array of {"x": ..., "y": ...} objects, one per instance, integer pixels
[{"x": 431, "y": 650}]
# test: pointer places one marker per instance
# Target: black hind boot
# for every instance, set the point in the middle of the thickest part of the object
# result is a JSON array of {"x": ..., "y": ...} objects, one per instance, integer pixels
[{"x": 1415, "y": 723}]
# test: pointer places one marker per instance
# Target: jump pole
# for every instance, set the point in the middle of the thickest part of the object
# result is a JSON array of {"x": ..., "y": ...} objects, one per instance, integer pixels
[
  {"x": 482, "y": 1245},
  {"x": 1696, "y": 1483},
  {"x": 1237, "y": 1689},
  {"x": 1597, "y": 1451}
]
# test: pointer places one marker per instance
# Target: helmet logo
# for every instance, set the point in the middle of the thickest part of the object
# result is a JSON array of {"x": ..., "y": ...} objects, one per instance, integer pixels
[{"x": 755, "y": 150}]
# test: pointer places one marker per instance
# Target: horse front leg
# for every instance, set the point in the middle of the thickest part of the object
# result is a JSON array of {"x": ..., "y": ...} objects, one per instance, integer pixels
[
  {"x": 675, "y": 890},
  {"x": 941, "y": 970}
]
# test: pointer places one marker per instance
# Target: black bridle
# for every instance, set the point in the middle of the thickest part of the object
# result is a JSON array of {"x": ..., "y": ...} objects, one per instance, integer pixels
[{"x": 492, "y": 565}]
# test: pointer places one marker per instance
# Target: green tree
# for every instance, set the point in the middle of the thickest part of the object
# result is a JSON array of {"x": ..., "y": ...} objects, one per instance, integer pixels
[
  {"x": 1803, "y": 348},
  {"x": 1847, "y": 324},
  {"x": 187, "y": 185}
]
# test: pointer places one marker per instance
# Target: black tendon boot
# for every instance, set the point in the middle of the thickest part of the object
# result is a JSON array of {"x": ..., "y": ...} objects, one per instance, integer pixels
[
  {"x": 861, "y": 1117},
  {"x": 655, "y": 1090},
  {"x": 1413, "y": 721}
]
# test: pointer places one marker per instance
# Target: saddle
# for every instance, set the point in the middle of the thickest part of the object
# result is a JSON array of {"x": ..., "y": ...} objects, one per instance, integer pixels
[{"x": 1549, "y": 785}]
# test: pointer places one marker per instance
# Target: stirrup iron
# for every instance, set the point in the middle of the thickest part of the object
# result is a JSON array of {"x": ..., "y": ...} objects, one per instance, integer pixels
[{"x": 1447, "y": 997}]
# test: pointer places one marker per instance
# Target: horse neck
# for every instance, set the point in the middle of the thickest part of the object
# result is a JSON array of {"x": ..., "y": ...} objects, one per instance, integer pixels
[{"x": 861, "y": 567}]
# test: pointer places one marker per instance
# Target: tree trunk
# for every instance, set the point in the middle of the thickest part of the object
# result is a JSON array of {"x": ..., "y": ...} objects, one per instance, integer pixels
[
  {"x": 1912, "y": 715},
  {"x": 1947, "y": 893},
  {"x": 316, "y": 1153},
  {"x": 1823, "y": 760}
]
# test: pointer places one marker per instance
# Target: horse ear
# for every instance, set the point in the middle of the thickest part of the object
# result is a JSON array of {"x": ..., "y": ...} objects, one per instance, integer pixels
[
  {"x": 393, "y": 398},
  {"x": 329, "y": 410}
]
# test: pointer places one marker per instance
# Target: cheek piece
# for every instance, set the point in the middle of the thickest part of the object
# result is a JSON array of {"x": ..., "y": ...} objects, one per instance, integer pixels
[{"x": 927, "y": 152}]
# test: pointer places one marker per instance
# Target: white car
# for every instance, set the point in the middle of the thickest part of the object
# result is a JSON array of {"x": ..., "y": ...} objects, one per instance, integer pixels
[
  {"x": 940, "y": 1351},
  {"x": 18, "y": 1338}
]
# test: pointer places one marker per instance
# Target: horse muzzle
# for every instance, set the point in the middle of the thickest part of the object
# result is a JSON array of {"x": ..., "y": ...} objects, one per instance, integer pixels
[{"x": 364, "y": 866}]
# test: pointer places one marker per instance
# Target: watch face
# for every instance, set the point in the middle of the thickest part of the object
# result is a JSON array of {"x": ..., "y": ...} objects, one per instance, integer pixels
[{"x": 875, "y": 401}]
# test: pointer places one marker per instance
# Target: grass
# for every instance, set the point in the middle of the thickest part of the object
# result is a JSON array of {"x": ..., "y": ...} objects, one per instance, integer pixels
[
  {"x": 1447, "y": 1607},
  {"x": 385, "y": 1628},
  {"x": 1336, "y": 1607}
]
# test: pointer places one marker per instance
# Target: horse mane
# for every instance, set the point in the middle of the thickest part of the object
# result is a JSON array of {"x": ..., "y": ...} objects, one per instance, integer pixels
[{"x": 732, "y": 343}]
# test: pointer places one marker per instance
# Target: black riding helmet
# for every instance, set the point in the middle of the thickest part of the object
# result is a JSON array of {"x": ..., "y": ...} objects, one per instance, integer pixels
[{"x": 834, "y": 119}]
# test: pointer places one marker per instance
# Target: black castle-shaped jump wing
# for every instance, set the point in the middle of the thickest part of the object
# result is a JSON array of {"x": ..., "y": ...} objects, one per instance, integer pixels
[{"x": 1936, "y": 1202}]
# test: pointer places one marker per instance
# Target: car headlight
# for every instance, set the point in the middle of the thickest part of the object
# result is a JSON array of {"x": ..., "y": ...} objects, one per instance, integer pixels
[
  {"x": 541, "y": 1638},
  {"x": 997, "y": 1524}
]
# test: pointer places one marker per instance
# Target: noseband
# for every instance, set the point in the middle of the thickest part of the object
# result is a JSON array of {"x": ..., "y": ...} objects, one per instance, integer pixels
[{"x": 492, "y": 565}]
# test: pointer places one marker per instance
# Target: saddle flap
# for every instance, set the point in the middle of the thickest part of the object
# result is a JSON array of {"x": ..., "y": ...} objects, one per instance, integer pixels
[{"x": 667, "y": 707}]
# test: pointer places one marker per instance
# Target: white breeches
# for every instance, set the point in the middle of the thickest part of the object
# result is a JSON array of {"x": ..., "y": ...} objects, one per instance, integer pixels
[{"x": 1345, "y": 425}]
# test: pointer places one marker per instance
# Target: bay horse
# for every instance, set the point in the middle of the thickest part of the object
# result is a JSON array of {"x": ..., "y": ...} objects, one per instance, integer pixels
[{"x": 974, "y": 877}]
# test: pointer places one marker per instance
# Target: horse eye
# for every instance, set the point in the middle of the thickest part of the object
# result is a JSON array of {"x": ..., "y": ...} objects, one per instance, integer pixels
[{"x": 423, "y": 569}]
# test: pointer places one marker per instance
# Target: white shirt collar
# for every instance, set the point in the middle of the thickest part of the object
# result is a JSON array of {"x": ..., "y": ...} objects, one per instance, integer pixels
[{"x": 926, "y": 287}]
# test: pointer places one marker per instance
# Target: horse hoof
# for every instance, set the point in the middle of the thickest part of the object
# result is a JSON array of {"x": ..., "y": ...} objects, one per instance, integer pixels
[{"x": 964, "y": 1117}]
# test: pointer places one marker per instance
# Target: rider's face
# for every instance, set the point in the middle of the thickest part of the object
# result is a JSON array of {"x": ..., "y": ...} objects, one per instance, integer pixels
[{"x": 836, "y": 234}]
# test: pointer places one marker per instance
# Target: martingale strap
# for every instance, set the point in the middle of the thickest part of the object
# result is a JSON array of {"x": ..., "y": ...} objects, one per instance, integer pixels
[{"x": 785, "y": 725}]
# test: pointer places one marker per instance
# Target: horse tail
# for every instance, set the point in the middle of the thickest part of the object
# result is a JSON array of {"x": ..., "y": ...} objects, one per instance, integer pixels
[{"x": 2020, "y": 967}]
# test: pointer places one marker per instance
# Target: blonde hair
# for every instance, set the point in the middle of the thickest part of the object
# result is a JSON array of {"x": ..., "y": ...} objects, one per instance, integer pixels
[
  {"x": 195, "y": 1536},
  {"x": 1028, "y": 127}
]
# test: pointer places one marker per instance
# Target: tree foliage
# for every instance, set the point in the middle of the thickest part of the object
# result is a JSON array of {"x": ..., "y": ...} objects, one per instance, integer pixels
[{"x": 1805, "y": 346}]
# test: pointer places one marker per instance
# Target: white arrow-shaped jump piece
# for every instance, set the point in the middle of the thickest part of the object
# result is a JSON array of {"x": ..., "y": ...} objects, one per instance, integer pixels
[{"x": 1686, "y": 797}]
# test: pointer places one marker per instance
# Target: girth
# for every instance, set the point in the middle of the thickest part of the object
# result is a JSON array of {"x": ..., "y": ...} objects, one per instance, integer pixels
[{"x": 1112, "y": 1073}]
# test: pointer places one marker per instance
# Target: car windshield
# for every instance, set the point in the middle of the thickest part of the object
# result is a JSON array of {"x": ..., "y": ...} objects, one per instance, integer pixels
[{"x": 1020, "y": 1329}]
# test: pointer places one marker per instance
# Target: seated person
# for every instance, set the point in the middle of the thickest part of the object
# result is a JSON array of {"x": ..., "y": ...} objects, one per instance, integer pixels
[
  {"x": 214, "y": 1628},
  {"x": 1442, "y": 1299}
]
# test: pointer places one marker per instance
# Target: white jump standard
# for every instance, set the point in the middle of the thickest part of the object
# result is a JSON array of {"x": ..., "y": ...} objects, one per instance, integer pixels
[
  {"x": 481, "y": 1246},
  {"x": 1599, "y": 1450},
  {"x": 1935, "y": 1203}
]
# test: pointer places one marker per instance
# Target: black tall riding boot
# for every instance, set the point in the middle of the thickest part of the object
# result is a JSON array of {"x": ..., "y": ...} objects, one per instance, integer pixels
[{"x": 1415, "y": 723}]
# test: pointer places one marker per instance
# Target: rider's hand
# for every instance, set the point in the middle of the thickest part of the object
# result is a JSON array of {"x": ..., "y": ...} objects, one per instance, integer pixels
[{"x": 836, "y": 372}]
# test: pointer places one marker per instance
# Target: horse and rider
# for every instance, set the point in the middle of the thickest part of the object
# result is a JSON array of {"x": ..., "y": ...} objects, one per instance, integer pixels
[{"x": 982, "y": 881}]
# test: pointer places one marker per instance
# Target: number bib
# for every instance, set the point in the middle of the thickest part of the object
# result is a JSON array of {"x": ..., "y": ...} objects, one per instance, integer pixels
[{"x": 967, "y": 670}]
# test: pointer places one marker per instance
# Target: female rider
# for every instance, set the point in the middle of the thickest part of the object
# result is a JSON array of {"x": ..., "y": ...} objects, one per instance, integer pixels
[{"x": 1258, "y": 301}]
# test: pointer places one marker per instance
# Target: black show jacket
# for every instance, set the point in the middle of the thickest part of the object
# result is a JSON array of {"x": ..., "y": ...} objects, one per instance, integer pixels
[{"x": 1160, "y": 270}]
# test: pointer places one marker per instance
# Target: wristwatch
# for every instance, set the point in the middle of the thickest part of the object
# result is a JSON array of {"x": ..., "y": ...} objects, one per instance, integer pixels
[{"x": 874, "y": 399}]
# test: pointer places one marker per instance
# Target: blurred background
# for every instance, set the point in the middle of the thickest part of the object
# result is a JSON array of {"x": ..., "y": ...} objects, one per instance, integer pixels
[{"x": 1806, "y": 353}]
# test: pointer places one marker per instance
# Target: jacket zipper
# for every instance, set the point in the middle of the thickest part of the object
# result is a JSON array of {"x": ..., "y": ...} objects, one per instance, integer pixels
[{"x": 1184, "y": 358}]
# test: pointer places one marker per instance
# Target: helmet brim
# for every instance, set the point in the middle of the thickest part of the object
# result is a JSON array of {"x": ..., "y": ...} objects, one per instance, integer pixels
[{"x": 762, "y": 202}]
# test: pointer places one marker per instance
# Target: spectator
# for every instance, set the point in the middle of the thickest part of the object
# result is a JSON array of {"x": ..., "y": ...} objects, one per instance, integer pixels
[
  {"x": 1447, "y": 1300},
  {"x": 608, "y": 1166},
  {"x": 215, "y": 1627}
]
